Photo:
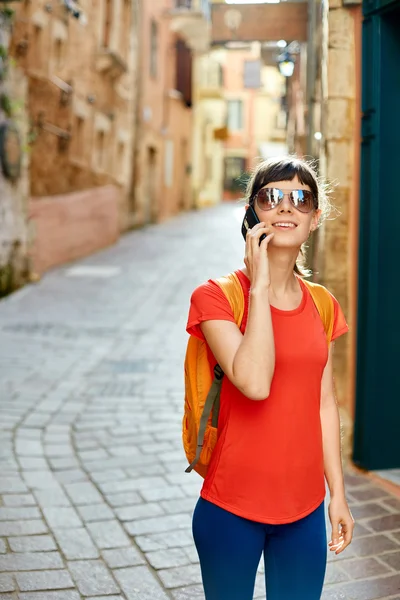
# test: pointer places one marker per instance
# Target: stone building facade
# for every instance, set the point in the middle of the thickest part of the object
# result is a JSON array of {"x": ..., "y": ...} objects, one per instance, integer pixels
[
  {"x": 14, "y": 190},
  {"x": 337, "y": 260},
  {"x": 172, "y": 34},
  {"x": 80, "y": 66}
]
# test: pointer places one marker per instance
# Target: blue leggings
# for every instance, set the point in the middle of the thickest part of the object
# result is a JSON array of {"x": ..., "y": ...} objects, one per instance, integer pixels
[{"x": 230, "y": 549}]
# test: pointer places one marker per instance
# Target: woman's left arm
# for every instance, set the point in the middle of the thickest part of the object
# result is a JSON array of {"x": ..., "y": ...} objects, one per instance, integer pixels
[{"x": 339, "y": 513}]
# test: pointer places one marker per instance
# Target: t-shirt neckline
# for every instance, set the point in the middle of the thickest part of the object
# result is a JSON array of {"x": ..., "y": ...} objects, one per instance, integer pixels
[{"x": 279, "y": 311}]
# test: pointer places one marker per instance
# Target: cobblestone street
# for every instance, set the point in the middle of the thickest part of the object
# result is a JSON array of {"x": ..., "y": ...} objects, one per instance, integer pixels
[{"x": 94, "y": 499}]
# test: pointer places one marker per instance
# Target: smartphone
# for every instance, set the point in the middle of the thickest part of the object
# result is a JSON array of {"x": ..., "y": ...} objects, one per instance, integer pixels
[{"x": 250, "y": 219}]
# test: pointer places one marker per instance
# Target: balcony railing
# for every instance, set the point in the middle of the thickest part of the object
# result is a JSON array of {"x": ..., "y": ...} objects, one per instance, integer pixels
[
  {"x": 191, "y": 19},
  {"x": 202, "y": 6}
]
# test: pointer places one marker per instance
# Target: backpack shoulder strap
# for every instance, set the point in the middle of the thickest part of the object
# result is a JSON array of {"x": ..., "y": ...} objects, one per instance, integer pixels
[
  {"x": 233, "y": 290},
  {"x": 324, "y": 303}
]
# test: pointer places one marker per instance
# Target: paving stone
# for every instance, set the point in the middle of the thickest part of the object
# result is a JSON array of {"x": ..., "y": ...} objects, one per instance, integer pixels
[
  {"x": 392, "y": 559},
  {"x": 162, "y": 541},
  {"x": 178, "y": 506},
  {"x": 12, "y": 513},
  {"x": 71, "y": 476},
  {"x": 8, "y": 597},
  {"x": 124, "y": 499},
  {"x": 128, "y": 485},
  {"x": 64, "y": 595},
  {"x": 95, "y": 512},
  {"x": 58, "y": 450},
  {"x": 368, "y": 493},
  {"x": 3, "y": 546},
  {"x": 30, "y": 561},
  {"x": 354, "y": 480},
  {"x": 107, "y": 475},
  {"x": 60, "y": 517},
  {"x": 52, "y": 497},
  {"x": 18, "y": 500},
  {"x": 194, "y": 592},
  {"x": 83, "y": 493},
  {"x": 373, "y": 545},
  {"x": 165, "y": 559},
  {"x": 370, "y": 589},
  {"x": 40, "y": 480},
  {"x": 139, "y": 511},
  {"x": 28, "y": 527},
  {"x": 138, "y": 583},
  {"x": 32, "y": 543},
  {"x": 166, "y": 493},
  {"x": 68, "y": 462},
  {"x": 6, "y": 583},
  {"x": 159, "y": 524},
  {"x": 76, "y": 543},
  {"x": 180, "y": 576},
  {"x": 369, "y": 510},
  {"x": 364, "y": 567},
  {"x": 387, "y": 523},
  {"x": 123, "y": 557},
  {"x": 106, "y": 598},
  {"x": 44, "y": 580},
  {"x": 35, "y": 463},
  {"x": 108, "y": 534},
  {"x": 28, "y": 448},
  {"x": 9, "y": 485},
  {"x": 92, "y": 578}
]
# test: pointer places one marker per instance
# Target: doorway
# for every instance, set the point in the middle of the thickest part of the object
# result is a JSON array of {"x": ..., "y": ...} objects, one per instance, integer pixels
[{"x": 376, "y": 433}]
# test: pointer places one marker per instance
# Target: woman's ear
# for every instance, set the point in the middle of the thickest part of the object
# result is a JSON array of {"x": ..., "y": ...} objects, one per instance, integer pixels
[{"x": 315, "y": 220}]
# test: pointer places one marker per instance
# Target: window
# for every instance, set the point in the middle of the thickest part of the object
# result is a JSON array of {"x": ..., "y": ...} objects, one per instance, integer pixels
[
  {"x": 58, "y": 53},
  {"x": 169, "y": 163},
  {"x": 153, "y": 48},
  {"x": 100, "y": 150},
  {"x": 235, "y": 115},
  {"x": 252, "y": 74},
  {"x": 126, "y": 29},
  {"x": 184, "y": 71},
  {"x": 78, "y": 138},
  {"x": 234, "y": 173},
  {"x": 107, "y": 23}
]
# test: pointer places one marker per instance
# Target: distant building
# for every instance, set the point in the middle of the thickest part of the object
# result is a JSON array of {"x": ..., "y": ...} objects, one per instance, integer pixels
[
  {"x": 171, "y": 33},
  {"x": 240, "y": 118}
]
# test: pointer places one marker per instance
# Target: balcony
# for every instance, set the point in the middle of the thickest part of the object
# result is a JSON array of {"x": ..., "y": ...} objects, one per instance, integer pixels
[
  {"x": 191, "y": 19},
  {"x": 110, "y": 63}
]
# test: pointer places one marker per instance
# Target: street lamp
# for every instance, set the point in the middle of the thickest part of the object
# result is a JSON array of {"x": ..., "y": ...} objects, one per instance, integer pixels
[{"x": 286, "y": 64}]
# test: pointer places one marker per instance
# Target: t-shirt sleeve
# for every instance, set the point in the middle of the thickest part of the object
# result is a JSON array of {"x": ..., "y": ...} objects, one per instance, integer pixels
[
  {"x": 339, "y": 324},
  {"x": 208, "y": 303}
]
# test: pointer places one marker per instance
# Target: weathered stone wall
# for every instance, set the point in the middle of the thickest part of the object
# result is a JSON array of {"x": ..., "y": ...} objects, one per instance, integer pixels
[
  {"x": 70, "y": 226},
  {"x": 14, "y": 266},
  {"x": 336, "y": 257}
]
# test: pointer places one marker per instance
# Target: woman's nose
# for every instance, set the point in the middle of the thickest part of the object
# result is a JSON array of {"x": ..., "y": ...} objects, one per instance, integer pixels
[{"x": 285, "y": 205}]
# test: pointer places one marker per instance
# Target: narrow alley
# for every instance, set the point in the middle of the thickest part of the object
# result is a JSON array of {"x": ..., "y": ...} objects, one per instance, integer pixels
[{"x": 94, "y": 499}]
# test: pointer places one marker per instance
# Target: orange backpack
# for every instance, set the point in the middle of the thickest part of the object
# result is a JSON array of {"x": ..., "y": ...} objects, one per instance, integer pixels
[{"x": 202, "y": 392}]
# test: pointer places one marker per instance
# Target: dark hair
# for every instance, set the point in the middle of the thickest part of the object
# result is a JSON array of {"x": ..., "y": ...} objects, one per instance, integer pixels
[{"x": 286, "y": 169}]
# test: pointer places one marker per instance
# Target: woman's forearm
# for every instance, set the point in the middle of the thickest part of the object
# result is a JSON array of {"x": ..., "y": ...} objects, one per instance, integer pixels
[
  {"x": 254, "y": 361},
  {"x": 330, "y": 423}
]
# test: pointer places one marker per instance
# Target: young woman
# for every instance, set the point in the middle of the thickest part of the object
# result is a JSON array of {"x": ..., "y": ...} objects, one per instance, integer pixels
[{"x": 279, "y": 431}]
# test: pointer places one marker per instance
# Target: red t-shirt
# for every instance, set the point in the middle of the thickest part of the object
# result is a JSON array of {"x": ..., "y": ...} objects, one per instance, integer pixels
[{"x": 267, "y": 465}]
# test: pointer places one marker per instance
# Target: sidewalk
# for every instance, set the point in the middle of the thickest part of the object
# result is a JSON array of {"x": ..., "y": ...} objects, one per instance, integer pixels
[{"x": 94, "y": 499}]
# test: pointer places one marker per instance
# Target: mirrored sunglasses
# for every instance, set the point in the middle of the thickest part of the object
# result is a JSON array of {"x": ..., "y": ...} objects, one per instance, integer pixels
[{"x": 302, "y": 200}]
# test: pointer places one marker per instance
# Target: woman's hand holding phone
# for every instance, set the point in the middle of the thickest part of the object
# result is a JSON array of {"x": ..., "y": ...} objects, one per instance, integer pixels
[{"x": 256, "y": 256}]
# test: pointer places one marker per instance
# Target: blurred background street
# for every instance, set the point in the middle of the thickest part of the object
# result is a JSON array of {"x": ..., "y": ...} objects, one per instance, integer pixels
[{"x": 128, "y": 131}]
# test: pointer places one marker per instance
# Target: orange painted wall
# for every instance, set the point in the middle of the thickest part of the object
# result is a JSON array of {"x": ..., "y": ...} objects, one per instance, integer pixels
[
  {"x": 71, "y": 226},
  {"x": 163, "y": 117}
]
